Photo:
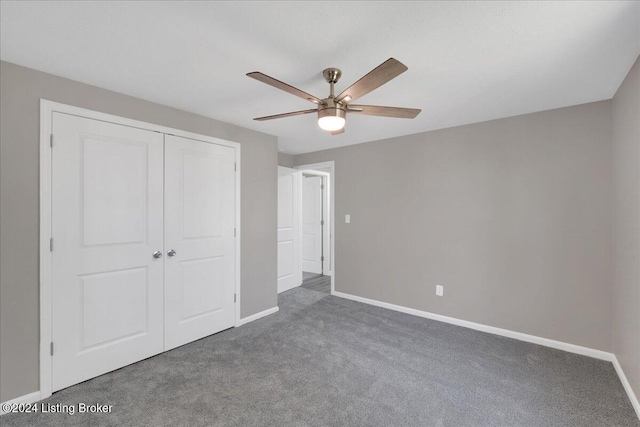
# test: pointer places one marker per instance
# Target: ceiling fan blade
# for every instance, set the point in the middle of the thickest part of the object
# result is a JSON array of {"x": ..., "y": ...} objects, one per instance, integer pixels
[
  {"x": 380, "y": 75},
  {"x": 376, "y": 110},
  {"x": 337, "y": 132},
  {"x": 283, "y": 86},
  {"x": 291, "y": 114}
]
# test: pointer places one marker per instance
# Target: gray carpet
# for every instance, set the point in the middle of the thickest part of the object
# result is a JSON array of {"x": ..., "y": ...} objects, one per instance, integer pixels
[
  {"x": 318, "y": 283},
  {"x": 306, "y": 275},
  {"x": 325, "y": 361}
]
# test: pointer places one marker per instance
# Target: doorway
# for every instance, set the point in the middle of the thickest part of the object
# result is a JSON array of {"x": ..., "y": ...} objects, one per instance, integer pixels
[
  {"x": 315, "y": 251},
  {"x": 305, "y": 228}
]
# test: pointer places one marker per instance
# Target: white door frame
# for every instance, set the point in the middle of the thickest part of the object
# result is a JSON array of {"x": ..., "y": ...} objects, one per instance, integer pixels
[
  {"x": 47, "y": 108},
  {"x": 309, "y": 169}
]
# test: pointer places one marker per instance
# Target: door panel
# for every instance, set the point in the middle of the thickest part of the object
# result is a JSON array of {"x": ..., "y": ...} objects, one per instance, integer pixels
[
  {"x": 107, "y": 289},
  {"x": 312, "y": 224},
  {"x": 106, "y": 316},
  {"x": 201, "y": 292},
  {"x": 289, "y": 273},
  {"x": 199, "y": 227},
  {"x": 123, "y": 196}
]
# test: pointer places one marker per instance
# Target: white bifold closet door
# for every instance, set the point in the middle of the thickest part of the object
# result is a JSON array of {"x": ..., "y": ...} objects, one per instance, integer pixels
[
  {"x": 107, "y": 289},
  {"x": 199, "y": 228},
  {"x": 122, "y": 198}
]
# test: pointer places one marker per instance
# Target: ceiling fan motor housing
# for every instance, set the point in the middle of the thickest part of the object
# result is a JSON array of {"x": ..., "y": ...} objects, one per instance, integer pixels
[{"x": 332, "y": 108}]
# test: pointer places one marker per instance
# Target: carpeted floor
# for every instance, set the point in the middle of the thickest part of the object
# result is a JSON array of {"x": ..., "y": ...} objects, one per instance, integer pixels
[
  {"x": 316, "y": 282},
  {"x": 326, "y": 361},
  {"x": 306, "y": 275}
]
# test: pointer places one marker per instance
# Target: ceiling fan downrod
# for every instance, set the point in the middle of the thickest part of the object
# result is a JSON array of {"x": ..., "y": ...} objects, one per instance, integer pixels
[{"x": 332, "y": 75}]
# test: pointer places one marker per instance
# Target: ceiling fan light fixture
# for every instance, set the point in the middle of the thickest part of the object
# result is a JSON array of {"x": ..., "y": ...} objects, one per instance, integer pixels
[
  {"x": 331, "y": 123},
  {"x": 331, "y": 119}
]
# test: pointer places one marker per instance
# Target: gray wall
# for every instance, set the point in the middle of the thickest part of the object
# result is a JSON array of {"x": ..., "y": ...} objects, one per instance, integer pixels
[
  {"x": 512, "y": 216},
  {"x": 626, "y": 184},
  {"x": 21, "y": 90},
  {"x": 285, "y": 160}
]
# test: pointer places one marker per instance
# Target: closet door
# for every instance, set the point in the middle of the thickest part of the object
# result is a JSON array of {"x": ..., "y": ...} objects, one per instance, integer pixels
[
  {"x": 199, "y": 239},
  {"x": 107, "y": 208}
]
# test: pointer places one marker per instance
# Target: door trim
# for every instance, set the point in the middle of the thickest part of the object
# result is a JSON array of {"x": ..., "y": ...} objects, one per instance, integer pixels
[
  {"x": 47, "y": 108},
  {"x": 309, "y": 169}
]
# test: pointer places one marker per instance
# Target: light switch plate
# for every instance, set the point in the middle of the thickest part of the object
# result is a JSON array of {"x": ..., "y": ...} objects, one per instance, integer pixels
[
  {"x": 439, "y": 290},
  {"x": 347, "y": 219}
]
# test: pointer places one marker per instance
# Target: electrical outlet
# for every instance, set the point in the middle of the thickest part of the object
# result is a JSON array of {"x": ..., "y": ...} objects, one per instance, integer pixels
[{"x": 439, "y": 290}]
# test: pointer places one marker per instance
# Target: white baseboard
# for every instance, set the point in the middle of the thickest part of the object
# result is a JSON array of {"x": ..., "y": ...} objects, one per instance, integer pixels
[
  {"x": 27, "y": 398},
  {"x": 257, "y": 316},
  {"x": 572, "y": 348},
  {"x": 625, "y": 383}
]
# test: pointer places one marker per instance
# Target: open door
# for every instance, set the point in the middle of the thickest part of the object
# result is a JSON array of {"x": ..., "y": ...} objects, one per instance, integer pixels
[
  {"x": 289, "y": 272},
  {"x": 312, "y": 222}
]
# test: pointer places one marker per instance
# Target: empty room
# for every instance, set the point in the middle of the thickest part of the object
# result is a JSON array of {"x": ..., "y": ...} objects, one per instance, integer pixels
[{"x": 343, "y": 213}]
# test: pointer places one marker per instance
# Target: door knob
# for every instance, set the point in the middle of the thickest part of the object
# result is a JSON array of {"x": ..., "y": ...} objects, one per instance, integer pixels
[
  {"x": 171, "y": 252},
  {"x": 157, "y": 254}
]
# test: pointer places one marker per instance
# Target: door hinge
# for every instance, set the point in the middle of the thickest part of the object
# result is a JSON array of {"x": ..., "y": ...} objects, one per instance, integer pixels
[
  {"x": 235, "y": 167},
  {"x": 322, "y": 187},
  {"x": 51, "y": 244},
  {"x": 235, "y": 230},
  {"x": 322, "y": 258},
  {"x": 322, "y": 222},
  {"x": 51, "y": 140},
  {"x": 51, "y": 348},
  {"x": 234, "y": 297}
]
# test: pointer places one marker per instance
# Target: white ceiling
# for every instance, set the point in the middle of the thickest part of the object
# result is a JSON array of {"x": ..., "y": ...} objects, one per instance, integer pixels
[{"x": 468, "y": 61}]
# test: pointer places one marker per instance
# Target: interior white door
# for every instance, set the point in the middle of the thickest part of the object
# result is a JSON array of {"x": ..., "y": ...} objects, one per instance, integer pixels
[
  {"x": 199, "y": 229},
  {"x": 107, "y": 288},
  {"x": 312, "y": 224},
  {"x": 289, "y": 273}
]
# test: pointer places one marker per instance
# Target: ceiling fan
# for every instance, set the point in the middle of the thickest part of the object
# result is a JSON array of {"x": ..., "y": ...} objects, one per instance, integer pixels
[{"x": 332, "y": 111}]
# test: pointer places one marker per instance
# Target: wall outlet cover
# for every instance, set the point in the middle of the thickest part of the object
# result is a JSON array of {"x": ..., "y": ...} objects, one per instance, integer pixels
[{"x": 439, "y": 290}]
